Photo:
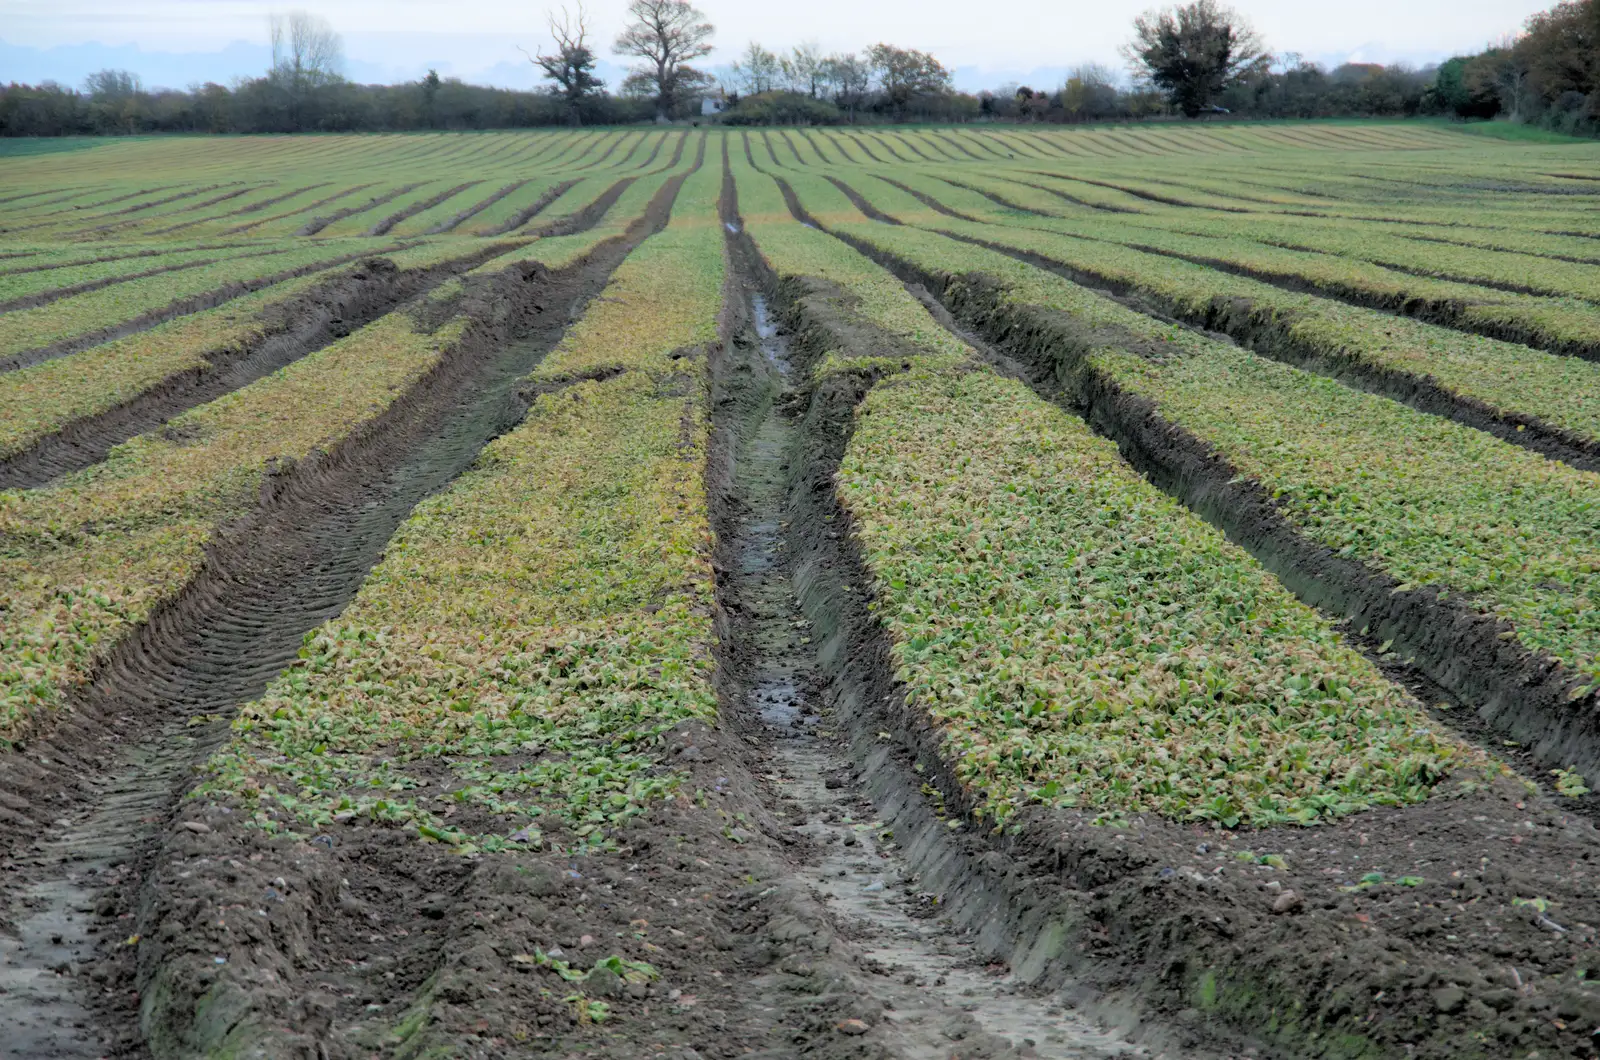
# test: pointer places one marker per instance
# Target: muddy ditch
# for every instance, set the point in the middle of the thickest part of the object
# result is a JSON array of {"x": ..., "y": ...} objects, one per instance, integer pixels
[
  {"x": 93, "y": 852},
  {"x": 876, "y": 854},
  {"x": 1457, "y": 928},
  {"x": 295, "y": 328}
]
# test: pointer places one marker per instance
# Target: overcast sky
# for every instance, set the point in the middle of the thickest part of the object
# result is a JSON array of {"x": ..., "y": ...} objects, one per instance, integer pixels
[{"x": 173, "y": 42}]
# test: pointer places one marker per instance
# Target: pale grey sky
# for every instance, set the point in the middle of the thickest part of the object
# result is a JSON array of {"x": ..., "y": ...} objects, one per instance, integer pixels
[{"x": 174, "y": 41}]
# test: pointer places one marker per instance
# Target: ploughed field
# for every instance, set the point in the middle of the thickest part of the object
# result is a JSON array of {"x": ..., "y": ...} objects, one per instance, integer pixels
[{"x": 907, "y": 593}]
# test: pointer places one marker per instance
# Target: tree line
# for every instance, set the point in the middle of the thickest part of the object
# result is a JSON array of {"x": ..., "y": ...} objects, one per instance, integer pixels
[{"x": 1193, "y": 60}]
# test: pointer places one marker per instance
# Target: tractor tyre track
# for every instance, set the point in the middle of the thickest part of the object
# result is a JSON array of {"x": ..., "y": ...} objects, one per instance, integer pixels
[
  {"x": 294, "y": 329},
  {"x": 103, "y": 787}
]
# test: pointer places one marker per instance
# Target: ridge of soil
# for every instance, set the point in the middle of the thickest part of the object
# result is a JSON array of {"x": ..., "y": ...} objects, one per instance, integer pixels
[
  {"x": 294, "y": 328},
  {"x": 194, "y": 303},
  {"x": 111, "y": 773}
]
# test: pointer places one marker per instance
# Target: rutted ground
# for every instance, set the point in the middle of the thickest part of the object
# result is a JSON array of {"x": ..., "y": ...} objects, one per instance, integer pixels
[{"x": 114, "y": 768}]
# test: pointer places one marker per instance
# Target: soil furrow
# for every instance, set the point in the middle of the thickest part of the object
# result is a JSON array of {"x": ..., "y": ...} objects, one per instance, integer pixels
[
  {"x": 383, "y": 226},
  {"x": 475, "y": 209},
  {"x": 118, "y": 762},
  {"x": 1271, "y": 334},
  {"x": 295, "y": 329},
  {"x": 236, "y": 229},
  {"x": 317, "y": 224},
  {"x": 523, "y": 216},
  {"x": 182, "y": 307}
]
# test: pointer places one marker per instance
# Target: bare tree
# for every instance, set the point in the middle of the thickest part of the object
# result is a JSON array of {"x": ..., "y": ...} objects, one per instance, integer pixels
[
  {"x": 667, "y": 34},
  {"x": 907, "y": 75},
  {"x": 804, "y": 69},
  {"x": 848, "y": 77},
  {"x": 1195, "y": 51},
  {"x": 306, "y": 52},
  {"x": 757, "y": 70},
  {"x": 571, "y": 64},
  {"x": 1090, "y": 92}
]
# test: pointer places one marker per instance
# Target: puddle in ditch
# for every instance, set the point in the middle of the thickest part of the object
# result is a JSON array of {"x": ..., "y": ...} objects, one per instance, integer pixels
[{"x": 928, "y": 972}]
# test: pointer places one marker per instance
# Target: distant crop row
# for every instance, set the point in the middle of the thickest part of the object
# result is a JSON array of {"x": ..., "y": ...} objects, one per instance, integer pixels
[{"x": 1428, "y": 501}]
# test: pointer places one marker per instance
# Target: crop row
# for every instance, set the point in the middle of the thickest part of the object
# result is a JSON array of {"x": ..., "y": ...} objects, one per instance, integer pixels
[
  {"x": 1432, "y": 504},
  {"x": 1082, "y": 639},
  {"x": 1078, "y": 637},
  {"x": 88, "y": 557},
  {"x": 542, "y": 622},
  {"x": 1564, "y": 325},
  {"x": 1515, "y": 382},
  {"x": 75, "y": 317}
]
